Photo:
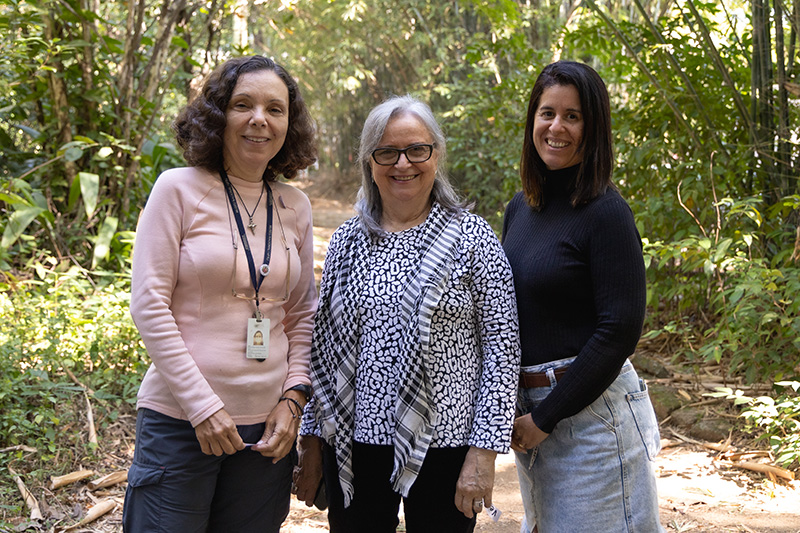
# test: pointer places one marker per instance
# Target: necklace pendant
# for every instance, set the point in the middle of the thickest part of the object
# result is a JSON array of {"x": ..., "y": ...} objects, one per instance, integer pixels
[{"x": 252, "y": 227}]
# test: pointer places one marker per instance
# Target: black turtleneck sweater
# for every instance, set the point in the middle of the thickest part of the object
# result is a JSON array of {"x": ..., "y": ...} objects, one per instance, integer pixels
[{"x": 580, "y": 284}]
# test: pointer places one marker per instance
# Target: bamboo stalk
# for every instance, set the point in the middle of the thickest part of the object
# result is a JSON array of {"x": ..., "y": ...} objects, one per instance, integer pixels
[
  {"x": 72, "y": 477},
  {"x": 722, "y": 69},
  {"x": 765, "y": 469},
  {"x": 712, "y": 130},
  {"x": 94, "y": 513},
  {"x": 108, "y": 480},
  {"x": 17, "y": 448},
  {"x": 90, "y": 420},
  {"x": 30, "y": 500},
  {"x": 783, "y": 152}
]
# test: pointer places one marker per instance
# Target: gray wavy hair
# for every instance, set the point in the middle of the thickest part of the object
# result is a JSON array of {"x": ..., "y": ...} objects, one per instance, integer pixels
[{"x": 368, "y": 204}]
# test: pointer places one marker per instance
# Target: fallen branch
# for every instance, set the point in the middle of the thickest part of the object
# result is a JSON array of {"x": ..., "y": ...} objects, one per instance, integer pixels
[
  {"x": 77, "y": 381},
  {"x": 108, "y": 480},
  {"x": 684, "y": 394},
  {"x": 90, "y": 420},
  {"x": 72, "y": 477},
  {"x": 704, "y": 402},
  {"x": 724, "y": 447},
  {"x": 755, "y": 467},
  {"x": 765, "y": 469},
  {"x": 94, "y": 513},
  {"x": 19, "y": 447},
  {"x": 89, "y": 415},
  {"x": 738, "y": 456},
  {"x": 30, "y": 500},
  {"x": 717, "y": 447}
]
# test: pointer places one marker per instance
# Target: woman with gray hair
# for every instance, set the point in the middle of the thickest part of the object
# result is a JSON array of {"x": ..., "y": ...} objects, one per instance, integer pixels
[{"x": 415, "y": 350}]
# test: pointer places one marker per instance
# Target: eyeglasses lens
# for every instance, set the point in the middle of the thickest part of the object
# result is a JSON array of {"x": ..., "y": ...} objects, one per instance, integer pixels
[{"x": 418, "y": 153}]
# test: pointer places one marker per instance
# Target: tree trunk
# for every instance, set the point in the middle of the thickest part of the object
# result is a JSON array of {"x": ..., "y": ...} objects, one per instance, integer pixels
[
  {"x": 762, "y": 95},
  {"x": 152, "y": 75},
  {"x": 783, "y": 153},
  {"x": 86, "y": 60},
  {"x": 125, "y": 90},
  {"x": 58, "y": 94},
  {"x": 241, "y": 14}
]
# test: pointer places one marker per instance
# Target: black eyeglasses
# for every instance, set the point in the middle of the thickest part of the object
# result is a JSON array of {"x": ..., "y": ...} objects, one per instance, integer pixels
[{"x": 416, "y": 153}]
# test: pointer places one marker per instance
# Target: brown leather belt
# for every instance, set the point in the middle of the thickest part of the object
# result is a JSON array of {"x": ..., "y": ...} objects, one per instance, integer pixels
[{"x": 530, "y": 380}]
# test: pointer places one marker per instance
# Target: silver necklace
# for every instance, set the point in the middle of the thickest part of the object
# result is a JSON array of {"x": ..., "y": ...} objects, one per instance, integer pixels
[{"x": 250, "y": 224}]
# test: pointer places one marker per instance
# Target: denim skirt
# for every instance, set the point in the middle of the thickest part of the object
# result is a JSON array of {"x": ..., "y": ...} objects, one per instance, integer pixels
[{"x": 594, "y": 473}]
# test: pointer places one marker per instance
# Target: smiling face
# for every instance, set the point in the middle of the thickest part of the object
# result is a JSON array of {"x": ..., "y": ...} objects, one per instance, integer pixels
[
  {"x": 257, "y": 120},
  {"x": 558, "y": 127},
  {"x": 405, "y": 185}
]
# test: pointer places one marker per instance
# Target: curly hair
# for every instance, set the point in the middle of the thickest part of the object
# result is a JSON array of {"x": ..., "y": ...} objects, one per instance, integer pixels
[
  {"x": 594, "y": 174},
  {"x": 200, "y": 126}
]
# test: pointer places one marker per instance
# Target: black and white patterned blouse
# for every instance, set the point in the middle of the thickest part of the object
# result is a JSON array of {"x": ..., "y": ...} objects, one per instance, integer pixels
[{"x": 474, "y": 341}]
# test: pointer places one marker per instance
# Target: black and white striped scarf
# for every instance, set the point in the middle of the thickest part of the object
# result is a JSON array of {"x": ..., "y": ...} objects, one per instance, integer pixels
[{"x": 335, "y": 346}]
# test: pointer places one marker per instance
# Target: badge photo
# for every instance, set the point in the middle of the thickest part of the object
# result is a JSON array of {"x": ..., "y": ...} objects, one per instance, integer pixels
[{"x": 258, "y": 338}]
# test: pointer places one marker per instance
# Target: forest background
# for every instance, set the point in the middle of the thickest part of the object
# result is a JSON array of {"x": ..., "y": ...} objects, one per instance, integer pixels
[{"x": 705, "y": 97}]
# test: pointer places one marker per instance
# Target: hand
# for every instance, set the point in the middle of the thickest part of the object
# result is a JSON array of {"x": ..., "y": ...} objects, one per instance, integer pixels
[
  {"x": 280, "y": 431},
  {"x": 307, "y": 474},
  {"x": 217, "y": 435},
  {"x": 526, "y": 434},
  {"x": 476, "y": 482}
]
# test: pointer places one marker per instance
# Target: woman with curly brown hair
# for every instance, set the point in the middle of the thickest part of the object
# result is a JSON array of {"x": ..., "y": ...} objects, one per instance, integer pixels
[{"x": 223, "y": 256}]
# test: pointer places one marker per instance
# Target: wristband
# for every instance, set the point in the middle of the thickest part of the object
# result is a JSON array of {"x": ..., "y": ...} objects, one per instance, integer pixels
[{"x": 295, "y": 414}]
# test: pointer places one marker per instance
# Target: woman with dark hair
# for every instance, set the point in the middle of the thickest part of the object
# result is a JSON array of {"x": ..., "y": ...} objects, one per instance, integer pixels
[
  {"x": 586, "y": 435},
  {"x": 223, "y": 295},
  {"x": 415, "y": 350}
]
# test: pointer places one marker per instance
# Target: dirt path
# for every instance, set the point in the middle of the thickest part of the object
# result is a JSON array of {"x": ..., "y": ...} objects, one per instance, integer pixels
[
  {"x": 696, "y": 492},
  {"x": 695, "y": 495}
]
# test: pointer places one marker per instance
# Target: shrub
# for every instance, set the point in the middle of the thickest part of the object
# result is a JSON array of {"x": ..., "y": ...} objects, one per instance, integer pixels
[
  {"x": 65, "y": 337},
  {"x": 775, "y": 420}
]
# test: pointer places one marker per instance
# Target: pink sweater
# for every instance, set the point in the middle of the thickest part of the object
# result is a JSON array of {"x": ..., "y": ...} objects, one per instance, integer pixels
[{"x": 194, "y": 329}]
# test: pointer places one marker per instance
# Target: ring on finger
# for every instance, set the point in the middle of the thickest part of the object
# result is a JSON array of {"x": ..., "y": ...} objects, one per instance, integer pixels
[{"x": 477, "y": 505}]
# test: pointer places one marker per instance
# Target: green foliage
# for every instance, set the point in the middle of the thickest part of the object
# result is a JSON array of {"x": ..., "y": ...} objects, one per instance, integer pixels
[
  {"x": 735, "y": 309},
  {"x": 67, "y": 323},
  {"x": 63, "y": 328},
  {"x": 774, "y": 420},
  {"x": 80, "y": 105},
  {"x": 718, "y": 235},
  {"x": 471, "y": 60},
  {"x": 485, "y": 120}
]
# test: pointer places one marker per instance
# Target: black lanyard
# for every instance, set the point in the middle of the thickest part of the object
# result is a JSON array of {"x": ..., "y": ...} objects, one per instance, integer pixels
[{"x": 255, "y": 279}]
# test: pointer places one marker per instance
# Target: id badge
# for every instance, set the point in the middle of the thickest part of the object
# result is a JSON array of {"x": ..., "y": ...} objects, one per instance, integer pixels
[{"x": 258, "y": 338}]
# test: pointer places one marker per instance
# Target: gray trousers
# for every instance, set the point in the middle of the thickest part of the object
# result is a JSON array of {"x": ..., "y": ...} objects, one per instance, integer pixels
[{"x": 174, "y": 487}]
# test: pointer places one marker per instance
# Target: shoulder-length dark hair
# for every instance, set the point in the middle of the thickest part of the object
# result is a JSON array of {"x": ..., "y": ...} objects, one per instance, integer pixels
[
  {"x": 594, "y": 173},
  {"x": 200, "y": 127}
]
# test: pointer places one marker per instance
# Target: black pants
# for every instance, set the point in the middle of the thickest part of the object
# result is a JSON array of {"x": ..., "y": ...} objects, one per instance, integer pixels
[{"x": 429, "y": 507}]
